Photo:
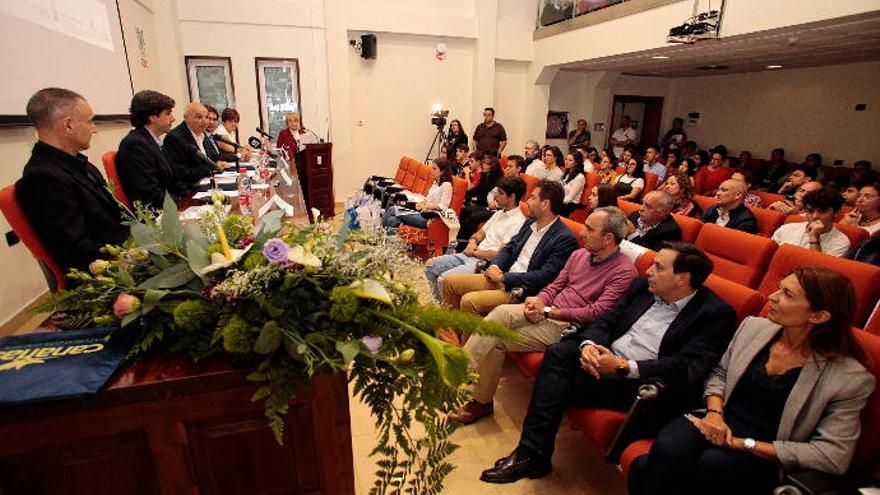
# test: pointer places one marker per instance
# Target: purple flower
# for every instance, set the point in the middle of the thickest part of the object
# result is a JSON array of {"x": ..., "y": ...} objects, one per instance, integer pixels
[
  {"x": 372, "y": 343},
  {"x": 275, "y": 250}
]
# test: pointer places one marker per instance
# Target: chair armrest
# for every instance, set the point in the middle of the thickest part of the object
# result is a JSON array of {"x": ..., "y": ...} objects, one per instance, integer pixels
[
  {"x": 624, "y": 436},
  {"x": 812, "y": 482}
]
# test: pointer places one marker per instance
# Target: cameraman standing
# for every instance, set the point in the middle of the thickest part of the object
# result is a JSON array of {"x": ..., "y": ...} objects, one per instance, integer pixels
[{"x": 490, "y": 137}]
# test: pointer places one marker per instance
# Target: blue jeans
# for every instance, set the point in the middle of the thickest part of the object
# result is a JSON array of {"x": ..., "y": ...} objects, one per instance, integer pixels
[
  {"x": 445, "y": 265},
  {"x": 397, "y": 215}
]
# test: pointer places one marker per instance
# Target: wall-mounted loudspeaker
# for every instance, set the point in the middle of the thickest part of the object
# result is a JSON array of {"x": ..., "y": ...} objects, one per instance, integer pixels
[{"x": 368, "y": 46}]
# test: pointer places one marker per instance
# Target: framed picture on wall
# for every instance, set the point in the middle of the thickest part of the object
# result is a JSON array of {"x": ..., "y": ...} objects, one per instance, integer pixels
[
  {"x": 278, "y": 92},
  {"x": 210, "y": 81},
  {"x": 557, "y": 125}
]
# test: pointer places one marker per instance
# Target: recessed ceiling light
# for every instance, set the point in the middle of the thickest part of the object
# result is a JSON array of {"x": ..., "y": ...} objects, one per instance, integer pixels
[
  {"x": 774, "y": 66},
  {"x": 659, "y": 57}
]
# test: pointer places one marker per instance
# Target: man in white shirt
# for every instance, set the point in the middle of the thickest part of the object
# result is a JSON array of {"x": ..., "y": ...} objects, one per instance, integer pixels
[
  {"x": 818, "y": 232},
  {"x": 624, "y": 136},
  {"x": 652, "y": 165},
  {"x": 487, "y": 241},
  {"x": 531, "y": 149}
]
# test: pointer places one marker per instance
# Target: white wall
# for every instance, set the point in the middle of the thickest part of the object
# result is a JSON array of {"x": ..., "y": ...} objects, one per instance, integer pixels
[{"x": 511, "y": 84}]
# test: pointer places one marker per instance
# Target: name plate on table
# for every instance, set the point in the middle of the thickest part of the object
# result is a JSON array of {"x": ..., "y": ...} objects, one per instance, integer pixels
[{"x": 57, "y": 365}]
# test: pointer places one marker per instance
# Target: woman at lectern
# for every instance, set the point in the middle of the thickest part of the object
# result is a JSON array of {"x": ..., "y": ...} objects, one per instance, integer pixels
[{"x": 295, "y": 137}]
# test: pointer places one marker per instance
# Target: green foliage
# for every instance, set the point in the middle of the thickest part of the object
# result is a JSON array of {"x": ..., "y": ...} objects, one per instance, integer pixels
[{"x": 295, "y": 323}]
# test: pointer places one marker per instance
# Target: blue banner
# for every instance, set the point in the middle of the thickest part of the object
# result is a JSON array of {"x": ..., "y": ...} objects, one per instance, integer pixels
[{"x": 56, "y": 365}]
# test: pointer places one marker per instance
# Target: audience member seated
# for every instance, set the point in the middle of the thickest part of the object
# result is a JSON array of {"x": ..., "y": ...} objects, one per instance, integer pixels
[
  {"x": 850, "y": 194},
  {"x": 579, "y": 135},
  {"x": 690, "y": 150},
  {"x": 484, "y": 182},
  {"x": 593, "y": 279},
  {"x": 730, "y": 211},
  {"x": 212, "y": 149},
  {"x": 673, "y": 160},
  {"x": 748, "y": 178},
  {"x": 631, "y": 182},
  {"x": 818, "y": 232},
  {"x": 867, "y": 251},
  {"x": 473, "y": 215},
  {"x": 531, "y": 260},
  {"x": 813, "y": 161},
  {"x": 679, "y": 186},
  {"x": 653, "y": 224},
  {"x": 675, "y": 138},
  {"x": 438, "y": 199},
  {"x": 606, "y": 172},
  {"x": 866, "y": 213},
  {"x": 573, "y": 181},
  {"x": 455, "y": 138},
  {"x": 668, "y": 328},
  {"x": 708, "y": 178},
  {"x": 531, "y": 151},
  {"x": 786, "y": 396},
  {"x": 602, "y": 195},
  {"x": 794, "y": 204},
  {"x": 549, "y": 168},
  {"x": 144, "y": 169},
  {"x": 652, "y": 163},
  {"x": 744, "y": 161},
  {"x": 460, "y": 159},
  {"x": 228, "y": 129},
  {"x": 688, "y": 167},
  {"x": 862, "y": 172},
  {"x": 592, "y": 157},
  {"x": 185, "y": 143},
  {"x": 800, "y": 175},
  {"x": 63, "y": 196},
  {"x": 623, "y": 159},
  {"x": 584, "y": 151},
  {"x": 486, "y": 242},
  {"x": 771, "y": 173}
]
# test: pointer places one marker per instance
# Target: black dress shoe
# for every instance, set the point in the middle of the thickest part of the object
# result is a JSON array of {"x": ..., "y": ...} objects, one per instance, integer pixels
[{"x": 514, "y": 468}]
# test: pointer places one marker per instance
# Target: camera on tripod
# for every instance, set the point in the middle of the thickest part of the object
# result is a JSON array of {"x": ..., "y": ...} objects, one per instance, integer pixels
[{"x": 438, "y": 118}]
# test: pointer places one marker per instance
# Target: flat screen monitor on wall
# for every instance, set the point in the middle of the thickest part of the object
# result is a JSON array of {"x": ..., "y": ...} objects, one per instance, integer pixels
[{"x": 73, "y": 44}]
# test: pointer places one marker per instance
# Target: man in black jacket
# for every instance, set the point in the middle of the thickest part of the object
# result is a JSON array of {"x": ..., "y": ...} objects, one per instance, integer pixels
[
  {"x": 669, "y": 328},
  {"x": 532, "y": 259},
  {"x": 63, "y": 195},
  {"x": 185, "y": 145},
  {"x": 653, "y": 224},
  {"x": 730, "y": 211},
  {"x": 144, "y": 169}
]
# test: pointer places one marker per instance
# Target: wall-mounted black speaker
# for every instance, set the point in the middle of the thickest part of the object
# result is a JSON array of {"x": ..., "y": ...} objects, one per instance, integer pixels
[{"x": 368, "y": 46}]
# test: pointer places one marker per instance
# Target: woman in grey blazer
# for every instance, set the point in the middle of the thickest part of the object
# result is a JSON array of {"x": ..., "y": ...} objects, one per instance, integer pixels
[{"x": 786, "y": 396}]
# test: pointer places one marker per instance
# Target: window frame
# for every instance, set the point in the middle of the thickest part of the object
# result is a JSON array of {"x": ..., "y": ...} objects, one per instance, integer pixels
[
  {"x": 263, "y": 110},
  {"x": 192, "y": 61}
]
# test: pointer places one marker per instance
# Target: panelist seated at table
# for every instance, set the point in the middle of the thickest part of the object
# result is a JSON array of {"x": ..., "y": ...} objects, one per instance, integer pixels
[
  {"x": 212, "y": 145},
  {"x": 228, "y": 130},
  {"x": 144, "y": 169},
  {"x": 62, "y": 195},
  {"x": 185, "y": 146}
]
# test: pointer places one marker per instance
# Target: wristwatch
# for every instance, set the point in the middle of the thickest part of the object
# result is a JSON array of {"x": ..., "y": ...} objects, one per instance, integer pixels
[
  {"x": 622, "y": 367},
  {"x": 749, "y": 444},
  {"x": 547, "y": 311}
]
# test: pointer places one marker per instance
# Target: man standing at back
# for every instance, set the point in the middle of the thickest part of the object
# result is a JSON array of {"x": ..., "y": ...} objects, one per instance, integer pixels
[
  {"x": 63, "y": 196},
  {"x": 184, "y": 145},
  {"x": 144, "y": 169},
  {"x": 625, "y": 136},
  {"x": 490, "y": 136}
]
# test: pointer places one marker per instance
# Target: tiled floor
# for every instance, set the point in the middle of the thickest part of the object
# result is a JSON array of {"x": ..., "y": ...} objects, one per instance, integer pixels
[{"x": 578, "y": 467}]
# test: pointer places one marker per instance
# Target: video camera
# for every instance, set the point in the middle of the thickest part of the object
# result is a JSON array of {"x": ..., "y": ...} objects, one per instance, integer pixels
[{"x": 438, "y": 118}]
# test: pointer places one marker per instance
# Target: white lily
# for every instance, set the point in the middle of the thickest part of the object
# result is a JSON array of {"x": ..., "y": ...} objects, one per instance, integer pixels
[
  {"x": 218, "y": 260},
  {"x": 297, "y": 254},
  {"x": 371, "y": 289}
]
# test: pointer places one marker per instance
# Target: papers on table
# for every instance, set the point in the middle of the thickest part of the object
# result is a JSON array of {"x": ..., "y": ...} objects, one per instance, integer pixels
[
  {"x": 207, "y": 194},
  {"x": 197, "y": 212},
  {"x": 276, "y": 200}
]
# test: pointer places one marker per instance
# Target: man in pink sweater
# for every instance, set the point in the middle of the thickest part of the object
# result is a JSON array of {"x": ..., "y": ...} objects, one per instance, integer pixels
[{"x": 593, "y": 278}]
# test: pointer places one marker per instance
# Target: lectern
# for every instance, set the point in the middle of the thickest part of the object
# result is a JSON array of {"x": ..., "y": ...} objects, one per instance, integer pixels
[{"x": 317, "y": 163}]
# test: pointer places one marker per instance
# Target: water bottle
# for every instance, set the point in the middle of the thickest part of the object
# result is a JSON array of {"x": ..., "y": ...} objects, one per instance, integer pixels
[{"x": 245, "y": 197}]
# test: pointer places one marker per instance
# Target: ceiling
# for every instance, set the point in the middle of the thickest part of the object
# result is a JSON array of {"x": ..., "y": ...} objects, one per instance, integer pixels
[{"x": 836, "y": 41}]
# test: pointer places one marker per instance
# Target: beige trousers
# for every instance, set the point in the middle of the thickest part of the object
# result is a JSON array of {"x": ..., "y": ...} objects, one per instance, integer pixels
[{"x": 472, "y": 293}]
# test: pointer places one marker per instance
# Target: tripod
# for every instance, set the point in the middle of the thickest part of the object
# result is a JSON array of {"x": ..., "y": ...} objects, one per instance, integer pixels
[{"x": 438, "y": 141}]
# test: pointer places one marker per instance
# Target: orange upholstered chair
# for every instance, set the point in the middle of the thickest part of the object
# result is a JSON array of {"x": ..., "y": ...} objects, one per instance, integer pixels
[
  {"x": 865, "y": 277},
  {"x": 705, "y": 202},
  {"x": 22, "y": 227},
  {"x": 873, "y": 325},
  {"x": 651, "y": 180},
  {"x": 746, "y": 301},
  {"x": 581, "y": 214},
  {"x": 531, "y": 181},
  {"x": 109, "y": 160},
  {"x": 842, "y": 213},
  {"x": 690, "y": 227},
  {"x": 401, "y": 170},
  {"x": 437, "y": 233},
  {"x": 738, "y": 256},
  {"x": 423, "y": 180},
  {"x": 575, "y": 228},
  {"x": 645, "y": 261},
  {"x": 627, "y": 206},
  {"x": 768, "y": 220},
  {"x": 768, "y": 198}
]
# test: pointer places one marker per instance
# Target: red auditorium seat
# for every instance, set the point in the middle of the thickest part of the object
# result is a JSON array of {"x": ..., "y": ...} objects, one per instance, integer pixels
[
  {"x": 22, "y": 227},
  {"x": 581, "y": 214},
  {"x": 690, "y": 227},
  {"x": 738, "y": 256},
  {"x": 402, "y": 167},
  {"x": 705, "y": 202},
  {"x": 109, "y": 160},
  {"x": 768, "y": 220},
  {"x": 437, "y": 233},
  {"x": 651, "y": 180},
  {"x": 627, "y": 206},
  {"x": 531, "y": 182},
  {"x": 768, "y": 198}
]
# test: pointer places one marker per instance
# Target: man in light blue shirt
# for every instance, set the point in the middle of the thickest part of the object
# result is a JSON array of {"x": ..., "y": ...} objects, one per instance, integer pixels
[{"x": 652, "y": 154}]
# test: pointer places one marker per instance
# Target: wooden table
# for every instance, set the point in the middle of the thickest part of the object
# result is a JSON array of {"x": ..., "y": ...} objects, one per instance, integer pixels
[{"x": 165, "y": 425}]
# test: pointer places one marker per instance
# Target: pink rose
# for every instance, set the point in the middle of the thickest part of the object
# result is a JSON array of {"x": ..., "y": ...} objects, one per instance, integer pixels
[{"x": 125, "y": 304}]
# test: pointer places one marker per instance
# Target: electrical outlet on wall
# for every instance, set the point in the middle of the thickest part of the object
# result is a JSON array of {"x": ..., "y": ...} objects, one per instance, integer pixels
[{"x": 11, "y": 238}]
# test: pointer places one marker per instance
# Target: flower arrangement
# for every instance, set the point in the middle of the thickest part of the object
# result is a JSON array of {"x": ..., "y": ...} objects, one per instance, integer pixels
[{"x": 293, "y": 302}]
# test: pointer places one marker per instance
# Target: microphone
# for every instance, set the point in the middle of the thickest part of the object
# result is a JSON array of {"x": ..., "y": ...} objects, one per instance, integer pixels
[
  {"x": 264, "y": 133},
  {"x": 205, "y": 161},
  {"x": 221, "y": 139},
  {"x": 255, "y": 142}
]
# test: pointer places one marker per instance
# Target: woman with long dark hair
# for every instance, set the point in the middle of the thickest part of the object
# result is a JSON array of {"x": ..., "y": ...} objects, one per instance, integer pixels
[
  {"x": 573, "y": 181},
  {"x": 550, "y": 167},
  {"x": 602, "y": 195},
  {"x": 438, "y": 199},
  {"x": 489, "y": 174},
  {"x": 455, "y": 137},
  {"x": 631, "y": 182},
  {"x": 786, "y": 396}
]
